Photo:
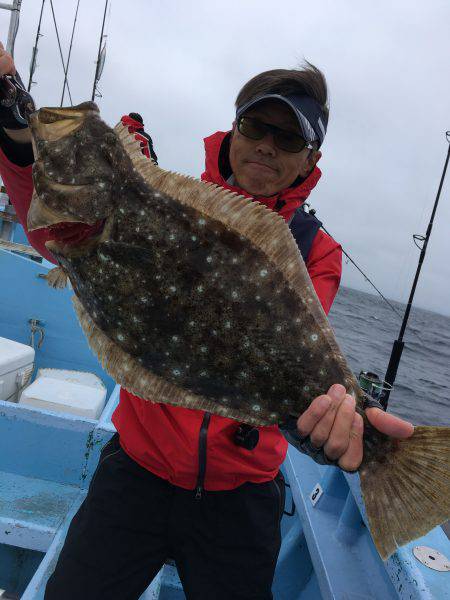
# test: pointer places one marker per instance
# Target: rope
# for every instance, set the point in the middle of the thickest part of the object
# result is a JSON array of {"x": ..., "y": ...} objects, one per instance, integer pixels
[
  {"x": 367, "y": 278},
  {"x": 20, "y": 248},
  {"x": 60, "y": 50},
  {"x": 68, "y": 57}
]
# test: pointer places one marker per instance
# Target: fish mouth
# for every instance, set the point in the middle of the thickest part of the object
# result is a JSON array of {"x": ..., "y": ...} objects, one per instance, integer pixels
[{"x": 50, "y": 125}]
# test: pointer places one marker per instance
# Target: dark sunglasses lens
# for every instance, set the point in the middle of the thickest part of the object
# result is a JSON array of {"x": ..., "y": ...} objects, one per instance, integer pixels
[
  {"x": 290, "y": 142},
  {"x": 251, "y": 128},
  {"x": 256, "y": 130}
]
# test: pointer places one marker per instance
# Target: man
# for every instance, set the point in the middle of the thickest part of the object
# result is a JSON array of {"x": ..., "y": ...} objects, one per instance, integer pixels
[
  {"x": 185, "y": 484},
  {"x": 135, "y": 124}
]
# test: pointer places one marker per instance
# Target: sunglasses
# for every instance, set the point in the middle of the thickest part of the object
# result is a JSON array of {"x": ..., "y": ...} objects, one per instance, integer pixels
[{"x": 284, "y": 140}]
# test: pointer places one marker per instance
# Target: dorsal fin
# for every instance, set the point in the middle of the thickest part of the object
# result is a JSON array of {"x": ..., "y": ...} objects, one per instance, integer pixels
[{"x": 264, "y": 228}]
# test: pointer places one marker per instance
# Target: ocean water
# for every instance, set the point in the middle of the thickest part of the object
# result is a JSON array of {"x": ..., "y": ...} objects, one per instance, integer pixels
[{"x": 366, "y": 328}]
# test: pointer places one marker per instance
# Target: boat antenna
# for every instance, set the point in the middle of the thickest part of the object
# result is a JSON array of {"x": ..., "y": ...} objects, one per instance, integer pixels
[
  {"x": 35, "y": 49},
  {"x": 399, "y": 344},
  {"x": 66, "y": 69},
  {"x": 100, "y": 57}
]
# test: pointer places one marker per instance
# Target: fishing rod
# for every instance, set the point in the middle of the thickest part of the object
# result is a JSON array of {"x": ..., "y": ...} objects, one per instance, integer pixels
[
  {"x": 99, "y": 63},
  {"x": 35, "y": 49},
  {"x": 399, "y": 344}
]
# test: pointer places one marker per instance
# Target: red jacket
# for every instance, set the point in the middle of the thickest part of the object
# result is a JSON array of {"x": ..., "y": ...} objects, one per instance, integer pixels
[{"x": 165, "y": 439}]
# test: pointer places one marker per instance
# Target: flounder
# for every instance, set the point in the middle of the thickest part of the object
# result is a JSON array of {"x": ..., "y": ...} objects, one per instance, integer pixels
[{"x": 197, "y": 297}]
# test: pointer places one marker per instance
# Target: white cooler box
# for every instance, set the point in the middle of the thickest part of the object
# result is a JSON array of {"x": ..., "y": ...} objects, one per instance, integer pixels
[
  {"x": 73, "y": 392},
  {"x": 16, "y": 368}
]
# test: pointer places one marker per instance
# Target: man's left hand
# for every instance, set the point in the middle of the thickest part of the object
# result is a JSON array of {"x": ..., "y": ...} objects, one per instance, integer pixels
[{"x": 332, "y": 423}]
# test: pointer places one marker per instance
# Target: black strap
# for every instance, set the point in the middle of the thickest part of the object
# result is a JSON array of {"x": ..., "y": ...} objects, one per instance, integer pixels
[{"x": 304, "y": 228}]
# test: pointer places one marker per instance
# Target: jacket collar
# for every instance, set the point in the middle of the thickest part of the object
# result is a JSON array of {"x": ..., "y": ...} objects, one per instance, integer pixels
[{"x": 217, "y": 170}]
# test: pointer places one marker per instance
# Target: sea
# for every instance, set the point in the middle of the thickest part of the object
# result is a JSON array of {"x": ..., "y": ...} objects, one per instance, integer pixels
[{"x": 366, "y": 327}]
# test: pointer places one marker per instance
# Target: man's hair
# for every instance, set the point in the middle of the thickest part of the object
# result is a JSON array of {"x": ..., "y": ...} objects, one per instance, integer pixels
[
  {"x": 307, "y": 80},
  {"x": 136, "y": 117}
]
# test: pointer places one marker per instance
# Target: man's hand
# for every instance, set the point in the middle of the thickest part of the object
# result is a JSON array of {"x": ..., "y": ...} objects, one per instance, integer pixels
[
  {"x": 332, "y": 423},
  {"x": 7, "y": 66}
]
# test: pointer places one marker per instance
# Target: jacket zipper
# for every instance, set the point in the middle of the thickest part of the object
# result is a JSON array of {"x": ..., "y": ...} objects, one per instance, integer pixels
[{"x": 202, "y": 455}]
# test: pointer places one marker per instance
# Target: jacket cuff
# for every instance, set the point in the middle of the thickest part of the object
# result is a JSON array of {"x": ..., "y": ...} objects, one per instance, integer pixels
[{"x": 303, "y": 443}]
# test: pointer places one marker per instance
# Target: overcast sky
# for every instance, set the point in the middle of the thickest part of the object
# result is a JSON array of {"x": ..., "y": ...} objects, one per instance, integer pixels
[{"x": 181, "y": 63}]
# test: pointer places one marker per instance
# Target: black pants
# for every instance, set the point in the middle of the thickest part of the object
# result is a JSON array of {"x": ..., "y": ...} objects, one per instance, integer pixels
[{"x": 225, "y": 545}]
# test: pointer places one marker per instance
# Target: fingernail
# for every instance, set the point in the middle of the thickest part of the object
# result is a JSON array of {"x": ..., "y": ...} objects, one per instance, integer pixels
[
  {"x": 337, "y": 389},
  {"x": 349, "y": 400},
  {"x": 325, "y": 402}
]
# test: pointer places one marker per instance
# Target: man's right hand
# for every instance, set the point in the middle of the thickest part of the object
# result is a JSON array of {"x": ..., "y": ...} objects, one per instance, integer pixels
[{"x": 7, "y": 67}]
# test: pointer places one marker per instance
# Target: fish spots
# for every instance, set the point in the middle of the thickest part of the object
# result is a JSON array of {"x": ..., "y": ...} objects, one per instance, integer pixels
[
  {"x": 200, "y": 289},
  {"x": 209, "y": 259},
  {"x": 175, "y": 338},
  {"x": 201, "y": 222},
  {"x": 227, "y": 324},
  {"x": 306, "y": 388},
  {"x": 263, "y": 273},
  {"x": 234, "y": 295},
  {"x": 194, "y": 238},
  {"x": 278, "y": 328},
  {"x": 203, "y": 349},
  {"x": 172, "y": 289},
  {"x": 120, "y": 337},
  {"x": 176, "y": 372},
  {"x": 314, "y": 337},
  {"x": 256, "y": 407}
]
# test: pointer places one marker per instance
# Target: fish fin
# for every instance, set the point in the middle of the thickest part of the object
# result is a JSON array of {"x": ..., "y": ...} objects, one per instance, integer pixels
[
  {"x": 407, "y": 492},
  {"x": 132, "y": 376},
  {"x": 57, "y": 278},
  {"x": 264, "y": 228}
]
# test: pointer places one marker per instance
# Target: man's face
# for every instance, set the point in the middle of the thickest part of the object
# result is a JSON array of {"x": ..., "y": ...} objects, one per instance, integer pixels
[{"x": 259, "y": 167}]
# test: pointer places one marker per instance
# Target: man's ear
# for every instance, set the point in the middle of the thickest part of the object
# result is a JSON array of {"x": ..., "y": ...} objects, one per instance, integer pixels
[{"x": 313, "y": 158}]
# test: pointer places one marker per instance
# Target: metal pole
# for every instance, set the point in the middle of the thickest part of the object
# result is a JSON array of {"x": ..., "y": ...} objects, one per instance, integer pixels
[
  {"x": 34, "y": 54},
  {"x": 399, "y": 344},
  {"x": 99, "y": 51},
  {"x": 13, "y": 24}
]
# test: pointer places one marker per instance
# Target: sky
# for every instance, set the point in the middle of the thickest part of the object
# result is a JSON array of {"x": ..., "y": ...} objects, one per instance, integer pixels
[{"x": 181, "y": 64}]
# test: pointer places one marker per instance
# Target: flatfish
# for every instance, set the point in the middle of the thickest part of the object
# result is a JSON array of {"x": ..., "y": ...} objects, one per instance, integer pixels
[{"x": 194, "y": 296}]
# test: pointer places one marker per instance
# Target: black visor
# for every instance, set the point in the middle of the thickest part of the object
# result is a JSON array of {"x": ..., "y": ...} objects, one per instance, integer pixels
[{"x": 310, "y": 116}]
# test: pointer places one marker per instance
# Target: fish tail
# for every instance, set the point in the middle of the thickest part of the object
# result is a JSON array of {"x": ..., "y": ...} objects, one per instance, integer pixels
[
  {"x": 56, "y": 278},
  {"x": 406, "y": 486}
]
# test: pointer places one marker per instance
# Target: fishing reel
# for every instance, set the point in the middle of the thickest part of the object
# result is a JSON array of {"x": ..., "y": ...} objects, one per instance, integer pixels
[{"x": 16, "y": 104}]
